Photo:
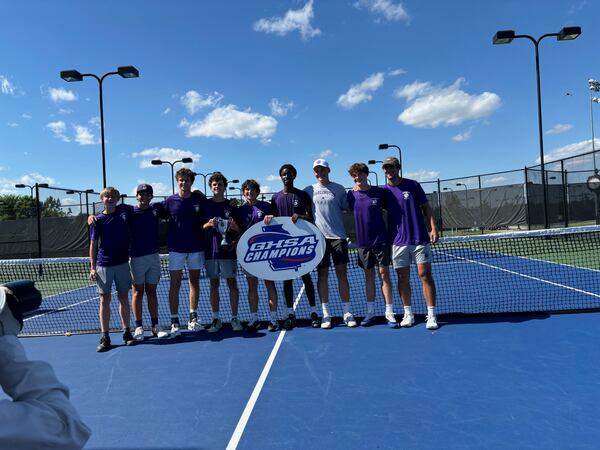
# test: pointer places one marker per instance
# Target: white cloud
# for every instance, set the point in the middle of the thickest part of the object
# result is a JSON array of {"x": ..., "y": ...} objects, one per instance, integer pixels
[
  {"x": 396, "y": 72},
  {"x": 6, "y": 87},
  {"x": 272, "y": 178},
  {"x": 59, "y": 129},
  {"x": 386, "y": 9},
  {"x": 95, "y": 121},
  {"x": 12, "y": 124},
  {"x": 572, "y": 150},
  {"x": 83, "y": 135},
  {"x": 326, "y": 153},
  {"x": 58, "y": 95},
  {"x": 413, "y": 90},
  {"x": 26, "y": 116},
  {"x": 435, "y": 106},
  {"x": 65, "y": 111},
  {"x": 267, "y": 189},
  {"x": 166, "y": 154},
  {"x": 228, "y": 122},
  {"x": 423, "y": 175},
  {"x": 165, "y": 112},
  {"x": 293, "y": 20},
  {"x": 559, "y": 128},
  {"x": 7, "y": 185},
  {"x": 194, "y": 101},
  {"x": 465, "y": 136},
  {"x": 360, "y": 93},
  {"x": 279, "y": 109}
]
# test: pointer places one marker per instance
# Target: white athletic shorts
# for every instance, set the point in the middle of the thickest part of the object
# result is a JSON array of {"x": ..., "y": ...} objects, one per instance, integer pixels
[
  {"x": 404, "y": 255},
  {"x": 177, "y": 260}
]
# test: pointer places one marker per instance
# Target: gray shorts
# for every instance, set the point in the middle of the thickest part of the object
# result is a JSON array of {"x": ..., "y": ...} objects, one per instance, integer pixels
[
  {"x": 403, "y": 256},
  {"x": 224, "y": 268},
  {"x": 106, "y": 275},
  {"x": 145, "y": 269},
  {"x": 370, "y": 257}
]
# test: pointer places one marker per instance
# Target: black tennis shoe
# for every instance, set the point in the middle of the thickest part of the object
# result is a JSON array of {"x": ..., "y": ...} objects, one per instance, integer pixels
[
  {"x": 273, "y": 326},
  {"x": 315, "y": 320},
  {"x": 128, "y": 338},
  {"x": 104, "y": 345},
  {"x": 290, "y": 322}
]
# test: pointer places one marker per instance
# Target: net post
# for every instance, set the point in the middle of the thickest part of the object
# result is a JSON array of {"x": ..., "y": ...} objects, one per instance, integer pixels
[{"x": 527, "y": 199}]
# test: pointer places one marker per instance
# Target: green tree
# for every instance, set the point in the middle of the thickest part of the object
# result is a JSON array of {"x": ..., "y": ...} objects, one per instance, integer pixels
[{"x": 14, "y": 207}]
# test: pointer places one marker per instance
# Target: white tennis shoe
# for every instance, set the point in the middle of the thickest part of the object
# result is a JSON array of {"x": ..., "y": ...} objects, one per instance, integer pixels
[
  {"x": 431, "y": 323},
  {"x": 408, "y": 320}
]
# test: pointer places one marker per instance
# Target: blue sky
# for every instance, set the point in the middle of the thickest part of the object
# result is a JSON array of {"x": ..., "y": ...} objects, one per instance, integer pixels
[{"x": 245, "y": 86}]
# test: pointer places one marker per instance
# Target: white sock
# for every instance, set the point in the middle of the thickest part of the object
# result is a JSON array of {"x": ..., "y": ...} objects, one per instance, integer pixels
[
  {"x": 346, "y": 307},
  {"x": 253, "y": 317},
  {"x": 431, "y": 311},
  {"x": 290, "y": 311},
  {"x": 192, "y": 310},
  {"x": 389, "y": 309},
  {"x": 325, "y": 308},
  {"x": 370, "y": 307},
  {"x": 407, "y": 310},
  {"x": 215, "y": 315}
]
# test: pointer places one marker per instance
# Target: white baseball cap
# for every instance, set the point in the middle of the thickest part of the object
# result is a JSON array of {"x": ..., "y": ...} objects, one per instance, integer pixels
[{"x": 320, "y": 162}]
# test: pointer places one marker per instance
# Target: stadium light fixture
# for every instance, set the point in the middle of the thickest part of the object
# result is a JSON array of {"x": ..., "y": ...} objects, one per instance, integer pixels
[
  {"x": 159, "y": 162},
  {"x": 565, "y": 34},
  {"x": 74, "y": 75}
]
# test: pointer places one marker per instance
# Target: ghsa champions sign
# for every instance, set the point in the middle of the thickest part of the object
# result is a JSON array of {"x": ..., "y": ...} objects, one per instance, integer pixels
[{"x": 281, "y": 250}]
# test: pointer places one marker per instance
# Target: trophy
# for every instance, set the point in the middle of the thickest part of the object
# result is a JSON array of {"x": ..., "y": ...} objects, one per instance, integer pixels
[{"x": 222, "y": 227}]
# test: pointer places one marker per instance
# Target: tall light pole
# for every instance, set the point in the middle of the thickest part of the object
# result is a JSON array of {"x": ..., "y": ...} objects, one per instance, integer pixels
[
  {"x": 31, "y": 188},
  {"x": 74, "y": 75},
  {"x": 233, "y": 188},
  {"x": 71, "y": 192},
  {"x": 159, "y": 162},
  {"x": 594, "y": 86},
  {"x": 204, "y": 175},
  {"x": 565, "y": 34},
  {"x": 376, "y": 177},
  {"x": 37, "y": 187},
  {"x": 386, "y": 146}
]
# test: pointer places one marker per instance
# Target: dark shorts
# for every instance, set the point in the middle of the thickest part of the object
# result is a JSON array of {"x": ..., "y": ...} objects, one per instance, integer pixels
[
  {"x": 336, "y": 249},
  {"x": 374, "y": 256}
]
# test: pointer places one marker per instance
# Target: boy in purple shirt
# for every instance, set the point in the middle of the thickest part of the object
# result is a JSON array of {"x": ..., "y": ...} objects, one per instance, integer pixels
[
  {"x": 254, "y": 211},
  {"x": 221, "y": 260},
  {"x": 410, "y": 239},
  {"x": 294, "y": 203},
  {"x": 186, "y": 246},
  {"x": 371, "y": 235},
  {"x": 109, "y": 262},
  {"x": 145, "y": 259}
]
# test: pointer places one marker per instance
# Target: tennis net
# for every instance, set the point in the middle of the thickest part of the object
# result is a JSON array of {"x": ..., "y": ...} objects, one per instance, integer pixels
[{"x": 536, "y": 271}]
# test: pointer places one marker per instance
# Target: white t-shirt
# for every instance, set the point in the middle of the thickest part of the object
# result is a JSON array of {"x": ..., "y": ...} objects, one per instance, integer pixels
[{"x": 328, "y": 202}]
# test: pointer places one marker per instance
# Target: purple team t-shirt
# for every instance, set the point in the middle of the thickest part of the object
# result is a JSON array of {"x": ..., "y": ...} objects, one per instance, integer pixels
[
  {"x": 185, "y": 223},
  {"x": 144, "y": 226},
  {"x": 224, "y": 210},
  {"x": 112, "y": 232},
  {"x": 290, "y": 203},
  {"x": 368, "y": 218},
  {"x": 251, "y": 214},
  {"x": 405, "y": 219}
]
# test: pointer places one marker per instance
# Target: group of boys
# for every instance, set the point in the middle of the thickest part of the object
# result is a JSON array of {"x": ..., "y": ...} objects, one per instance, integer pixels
[{"x": 124, "y": 247}]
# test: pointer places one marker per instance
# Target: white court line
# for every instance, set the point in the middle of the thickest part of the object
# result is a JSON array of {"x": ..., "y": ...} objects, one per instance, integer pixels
[
  {"x": 241, "y": 425},
  {"x": 581, "y": 291},
  {"x": 60, "y": 309}
]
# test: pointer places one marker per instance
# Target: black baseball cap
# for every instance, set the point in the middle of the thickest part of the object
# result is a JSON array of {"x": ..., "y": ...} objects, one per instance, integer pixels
[
  {"x": 391, "y": 161},
  {"x": 144, "y": 188}
]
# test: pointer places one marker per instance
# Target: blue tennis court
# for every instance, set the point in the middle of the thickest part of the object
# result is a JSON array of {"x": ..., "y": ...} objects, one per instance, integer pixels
[{"x": 520, "y": 381}]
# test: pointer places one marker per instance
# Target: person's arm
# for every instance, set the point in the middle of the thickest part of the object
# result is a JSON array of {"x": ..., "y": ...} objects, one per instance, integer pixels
[
  {"x": 429, "y": 217},
  {"x": 93, "y": 254},
  {"x": 40, "y": 414},
  {"x": 308, "y": 212}
]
